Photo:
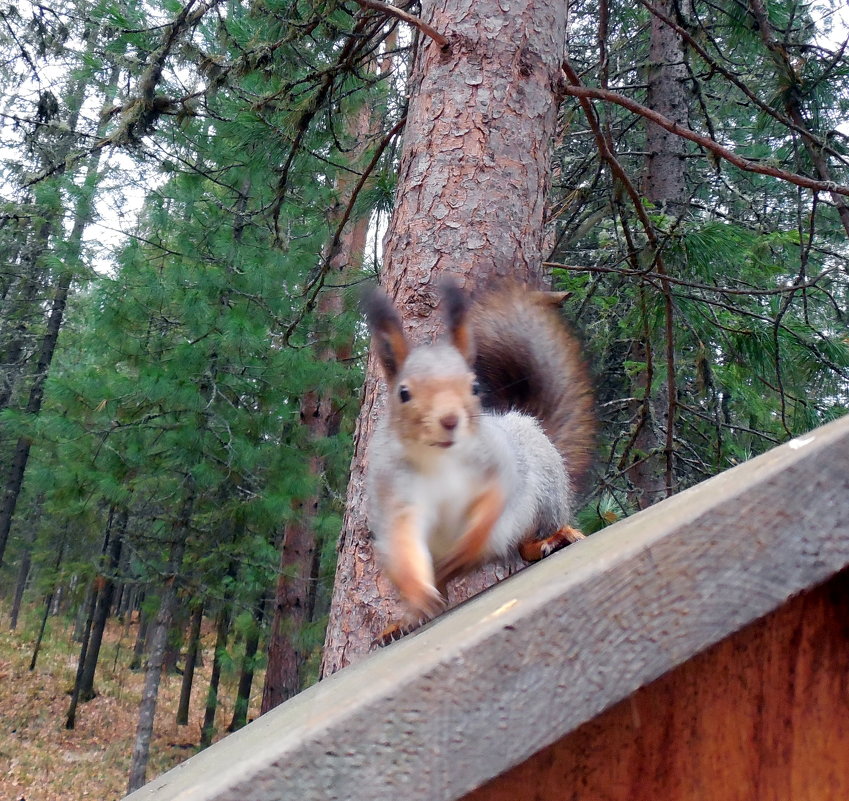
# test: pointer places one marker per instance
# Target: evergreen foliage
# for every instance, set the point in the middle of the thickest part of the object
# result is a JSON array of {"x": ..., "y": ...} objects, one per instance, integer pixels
[{"x": 756, "y": 266}]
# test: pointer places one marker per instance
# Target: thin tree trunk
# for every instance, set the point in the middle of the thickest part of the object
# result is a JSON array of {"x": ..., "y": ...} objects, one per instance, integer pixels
[
  {"x": 47, "y": 604},
  {"x": 25, "y": 564},
  {"x": 246, "y": 677},
  {"x": 20, "y": 584},
  {"x": 222, "y": 631},
  {"x": 189, "y": 668},
  {"x": 153, "y": 672},
  {"x": 476, "y": 211},
  {"x": 141, "y": 640},
  {"x": 103, "y": 607},
  {"x": 70, "y": 719}
]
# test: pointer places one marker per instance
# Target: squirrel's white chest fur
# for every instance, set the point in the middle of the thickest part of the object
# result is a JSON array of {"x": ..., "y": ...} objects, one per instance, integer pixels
[{"x": 441, "y": 487}]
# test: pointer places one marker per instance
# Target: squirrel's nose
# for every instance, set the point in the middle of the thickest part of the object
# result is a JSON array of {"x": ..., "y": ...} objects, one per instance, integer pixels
[{"x": 449, "y": 421}]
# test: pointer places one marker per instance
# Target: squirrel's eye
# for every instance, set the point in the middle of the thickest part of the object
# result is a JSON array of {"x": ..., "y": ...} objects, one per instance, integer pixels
[
  {"x": 404, "y": 394},
  {"x": 476, "y": 387}
]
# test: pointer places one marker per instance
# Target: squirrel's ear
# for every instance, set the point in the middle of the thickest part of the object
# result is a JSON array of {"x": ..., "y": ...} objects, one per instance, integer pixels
[
  {"x": 455, "y": 303},
  {"x": 387, "y": 333}
]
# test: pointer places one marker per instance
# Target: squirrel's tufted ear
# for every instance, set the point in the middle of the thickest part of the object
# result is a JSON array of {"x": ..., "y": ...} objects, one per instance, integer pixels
[
  {"x": 386, "y": 329},
  {"x": 455, "y": 304}
]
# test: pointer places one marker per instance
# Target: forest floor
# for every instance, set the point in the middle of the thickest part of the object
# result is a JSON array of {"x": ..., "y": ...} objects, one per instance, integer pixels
[{"x": 40, "y": 760}]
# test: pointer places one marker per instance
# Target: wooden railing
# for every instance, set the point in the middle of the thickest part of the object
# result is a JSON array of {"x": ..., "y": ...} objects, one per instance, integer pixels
[{"x": 497, "y": 679}]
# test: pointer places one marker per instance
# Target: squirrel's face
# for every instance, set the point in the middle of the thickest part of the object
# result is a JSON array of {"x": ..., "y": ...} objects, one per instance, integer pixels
[{"x": 434, "y": 401}]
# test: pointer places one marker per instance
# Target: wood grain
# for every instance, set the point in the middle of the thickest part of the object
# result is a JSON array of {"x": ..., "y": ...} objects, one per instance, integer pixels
[{"x": 762, "y": 716}]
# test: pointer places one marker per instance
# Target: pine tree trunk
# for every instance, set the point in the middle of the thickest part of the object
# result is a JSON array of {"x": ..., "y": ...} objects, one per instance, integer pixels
[
  {"x": 246, "y": 677},
  {"x": 48, "y": 603},
  {"x": 189, "y": 670},
  {"x": 665, "y": 185},
  {"x": 141, "y": 640},
  {"x": 285, "y": 654},
  {"x": 222, "y": 631},
  {"x": 668, "y": 93},
  {"x": 70, "y": 720},
  {"x": 94, "y": 603},
  {"x": 103, "y": 607},
  {"x": 320, "y": 415},
  {"x": 23, "y": 569},
  {"x": 470, "y": 201},
  {"x": 20, "y": 585},
  {"x": 153, "y": 672}
]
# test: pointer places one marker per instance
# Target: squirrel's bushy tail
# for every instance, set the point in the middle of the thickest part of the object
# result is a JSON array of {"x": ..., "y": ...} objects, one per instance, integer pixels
[{"x": 527, "y": 360}]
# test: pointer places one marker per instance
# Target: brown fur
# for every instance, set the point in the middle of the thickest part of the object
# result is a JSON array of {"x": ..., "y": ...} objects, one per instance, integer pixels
[
  {"x": 532, "y": 550},
  {"x": 529, "y": 361},
  {"x": 409, "y": 567},
  {"x": 433, "y": 401},
  {"x": 483, "y": 512}
]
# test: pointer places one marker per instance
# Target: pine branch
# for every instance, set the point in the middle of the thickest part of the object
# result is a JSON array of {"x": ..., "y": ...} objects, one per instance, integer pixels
[
  {"x": 580, "y": 91},
  {"x": 643, "y": 274},
  {"x": 732, "y": 78},
  {"x": 394, "y": 11},
  {"x": 317, "y": 282}
]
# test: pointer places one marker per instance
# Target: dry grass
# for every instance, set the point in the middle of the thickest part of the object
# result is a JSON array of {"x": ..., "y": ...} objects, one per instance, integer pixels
[{"x": 42, "y": 761}]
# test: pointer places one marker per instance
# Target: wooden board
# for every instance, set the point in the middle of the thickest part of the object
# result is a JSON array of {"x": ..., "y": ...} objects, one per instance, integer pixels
[{"x": 762, "y": 716}]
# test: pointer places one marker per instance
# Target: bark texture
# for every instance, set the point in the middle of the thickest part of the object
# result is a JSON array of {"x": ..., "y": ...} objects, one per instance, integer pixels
[
  {"x": 153, "y": 671},
  {"x": 668, "y": 94},
  {"x": 470, "y": 201},
  {"x": 665, "y": 184},
  {"x": 192, "y": 649}
]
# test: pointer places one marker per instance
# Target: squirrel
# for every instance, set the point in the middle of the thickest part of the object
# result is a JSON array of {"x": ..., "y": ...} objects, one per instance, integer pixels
[{"x": 484, "y": 439}]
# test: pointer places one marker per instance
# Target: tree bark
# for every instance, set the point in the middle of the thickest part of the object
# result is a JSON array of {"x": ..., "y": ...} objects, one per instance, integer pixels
[
  {"x": 153, "y": 672},
  {"x": 246, "y": 677},
  {"x": 189, "y": 668},
  {"x": 470, "y": 201},
  {"x": 285, "y": 654},
  {"x": 222, "y": 630},
  {"x": 668, "y": 94}
]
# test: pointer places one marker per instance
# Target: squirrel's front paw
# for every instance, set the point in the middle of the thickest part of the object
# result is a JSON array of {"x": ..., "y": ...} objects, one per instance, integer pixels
[
  {"x": 423, "y": 599},
  {"x": 414, "y": 579}
]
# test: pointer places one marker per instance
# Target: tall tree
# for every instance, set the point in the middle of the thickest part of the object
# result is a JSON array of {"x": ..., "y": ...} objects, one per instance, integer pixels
[
  {"x": 161, "y": 626},
  {"x": 475, "y": 210},
  {"x": 48, "y": 232}
]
